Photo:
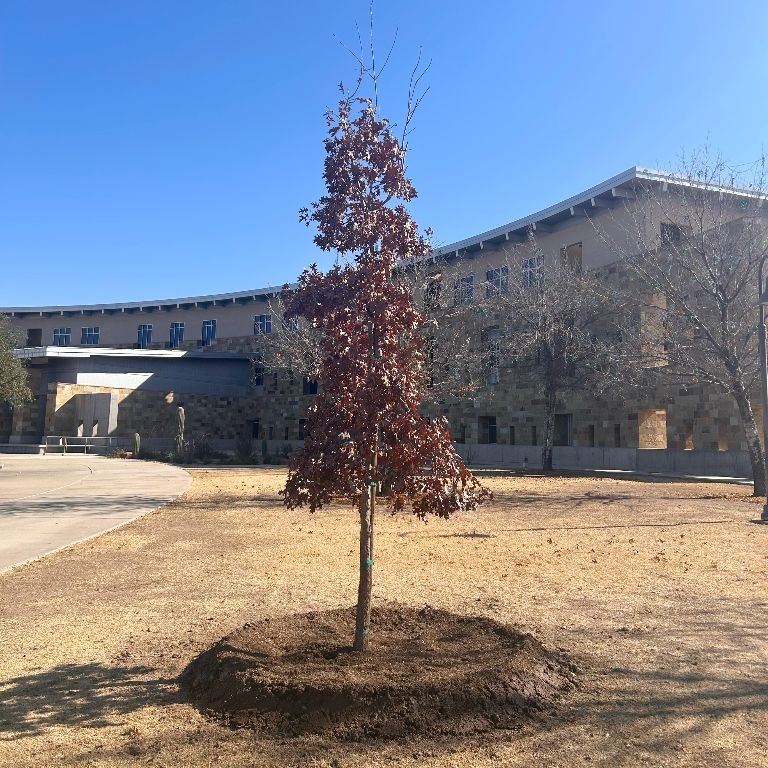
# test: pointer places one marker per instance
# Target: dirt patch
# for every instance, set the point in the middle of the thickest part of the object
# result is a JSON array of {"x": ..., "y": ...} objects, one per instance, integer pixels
[{"x": 428, "y": 672}]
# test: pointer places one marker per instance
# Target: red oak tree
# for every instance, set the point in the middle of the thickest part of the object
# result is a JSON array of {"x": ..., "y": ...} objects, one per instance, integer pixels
[{"x": 364, "y": 428}]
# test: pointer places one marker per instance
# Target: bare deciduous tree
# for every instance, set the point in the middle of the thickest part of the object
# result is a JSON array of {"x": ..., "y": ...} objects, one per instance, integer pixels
[
  {"x": 560, "y": 327},
  {"x": 695, "y": 244}
]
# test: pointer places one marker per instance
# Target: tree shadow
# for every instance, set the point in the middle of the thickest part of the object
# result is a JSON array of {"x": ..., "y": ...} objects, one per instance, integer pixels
[
  {"x": 92, "y": 695},
  {"x": 80, "y": 506}
]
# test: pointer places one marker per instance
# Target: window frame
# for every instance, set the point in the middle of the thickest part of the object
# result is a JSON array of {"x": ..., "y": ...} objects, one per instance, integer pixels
[
  {"x": 176, "y": 334},
  {"x": 464, "y": 289},
  {"x": 90, "y": 335},
  {"x": 531, "y": 271},
  {"x": 62, "y": 333},
  {"x": 206, "y": 339},
  {"x": 497, "y": 281},
  {"x": 262, "y": 324},
  {"x": 144, "y": 335}
]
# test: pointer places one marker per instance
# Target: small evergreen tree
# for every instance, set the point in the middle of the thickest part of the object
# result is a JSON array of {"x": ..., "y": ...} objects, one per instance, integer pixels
[{"x": 13, "y": 375}]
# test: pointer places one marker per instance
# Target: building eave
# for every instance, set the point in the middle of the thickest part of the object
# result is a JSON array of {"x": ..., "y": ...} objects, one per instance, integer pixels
[
  {"x": 40, "y": 353},
  {"x": 607, "y": 193}
]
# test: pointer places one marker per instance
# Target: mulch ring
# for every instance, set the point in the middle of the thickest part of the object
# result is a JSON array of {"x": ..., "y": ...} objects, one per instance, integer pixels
[{"x": 427, "y": 672}]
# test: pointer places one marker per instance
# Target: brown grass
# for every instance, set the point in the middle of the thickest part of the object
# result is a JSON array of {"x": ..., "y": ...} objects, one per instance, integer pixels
[{"x": 657, "y": 590}]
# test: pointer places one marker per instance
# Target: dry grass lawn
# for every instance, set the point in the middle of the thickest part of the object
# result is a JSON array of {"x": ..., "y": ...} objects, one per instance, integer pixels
[{"x": 658, "y": 591}]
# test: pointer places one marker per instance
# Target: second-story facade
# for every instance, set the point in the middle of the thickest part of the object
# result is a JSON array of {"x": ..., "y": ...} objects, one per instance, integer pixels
[{"x": 589, "y": 230}]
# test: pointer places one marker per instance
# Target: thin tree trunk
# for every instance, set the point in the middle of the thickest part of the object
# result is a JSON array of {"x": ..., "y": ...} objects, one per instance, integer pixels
[
  {"x": 367, "y": 508},
  {"x": 756, "y": 453},
  {"x": 363, "y": 619},
  {"x": 549, "y": 425}
]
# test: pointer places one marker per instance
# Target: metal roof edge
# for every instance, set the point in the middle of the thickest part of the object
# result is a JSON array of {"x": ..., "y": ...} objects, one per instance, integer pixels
[
  {"x": 599, "y": 189},
  {"x": 31, "y": 353},
  {"x": 154, "y": 303},
  {"x": 625, "y": 177}
]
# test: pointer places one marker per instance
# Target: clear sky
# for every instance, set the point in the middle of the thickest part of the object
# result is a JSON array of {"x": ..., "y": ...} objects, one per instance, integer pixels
[{"x": 155, "y": 149}]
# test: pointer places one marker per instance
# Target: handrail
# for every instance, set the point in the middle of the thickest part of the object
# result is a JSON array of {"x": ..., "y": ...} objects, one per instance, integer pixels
[{"x": 83, "y": 443}]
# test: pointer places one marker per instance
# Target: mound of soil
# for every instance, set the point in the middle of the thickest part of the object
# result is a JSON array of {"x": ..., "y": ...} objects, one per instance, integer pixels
[{"x": 427, "y": 671}]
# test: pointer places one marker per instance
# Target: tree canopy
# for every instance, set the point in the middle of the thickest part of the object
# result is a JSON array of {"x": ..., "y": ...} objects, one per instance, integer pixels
[
  {"x": 364, "y": 429},
  {"x": 13, "y": 375}
]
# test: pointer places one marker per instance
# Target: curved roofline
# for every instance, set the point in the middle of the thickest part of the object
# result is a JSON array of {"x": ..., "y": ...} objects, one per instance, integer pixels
[
  {"x": 619, "y": 186},
  {"x": 213, "y": 299}
]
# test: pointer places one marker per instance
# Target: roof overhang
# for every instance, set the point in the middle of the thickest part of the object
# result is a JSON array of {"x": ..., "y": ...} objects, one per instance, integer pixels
[
  {"x": 614, "y": 191},
  {"x": 41, "y": 354}
]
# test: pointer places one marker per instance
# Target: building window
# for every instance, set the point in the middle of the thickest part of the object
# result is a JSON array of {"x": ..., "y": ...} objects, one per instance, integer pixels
[
  {"x": 534, "y": 435},
  {"x": 177, "y": 335},
  {"x": 497, "y": 281},
  {"x": 617, "y": 435},
  {"x": 209, "y": 332},
  {"x": 512, "y": 435},
  {"x": 688, "y": 436},
  {"x": 563, "y": 429},
  {"x": 34, "y": 337},
  {"x": 259, "y": 370},
  {"x": 671, "y": 234},
  {"x": 144, "y": 338},
  {"x": 90, "y": 335},
  {"x": 302, "y": 429},
  {"x": 309, "y": 386},
  {"x": 62, "y": 337},
  {"x": 432, "y": 292},
  {"x": 464, "y": 289},
  {"x": 591, "y": 435},
  {"x": 262, "y": 324},
  {"x": 255, "y": 429},
  {"x": 487, "y": 425},
  {"x": 533, "y": 271},
  {"x": 571, "y": 256}
]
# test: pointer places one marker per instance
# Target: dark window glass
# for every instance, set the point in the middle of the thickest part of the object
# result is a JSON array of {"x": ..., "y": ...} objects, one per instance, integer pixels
[
  {"x": 90, "y": 335},
  {"x": 144, "y": 337},
  {"x": 176, "y": 335},
  {"x": 62, "y": 337},
  {"x": 533, "y": 271},
  {"x": 464, "y": 289},
  {"x": 262, "y": 324},
  {"x": 209, "y": 332},
  {"x": 497, "y": 281}
]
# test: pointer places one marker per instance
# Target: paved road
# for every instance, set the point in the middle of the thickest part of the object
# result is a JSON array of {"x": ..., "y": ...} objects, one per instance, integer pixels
[{"x": 48, "y": 502}]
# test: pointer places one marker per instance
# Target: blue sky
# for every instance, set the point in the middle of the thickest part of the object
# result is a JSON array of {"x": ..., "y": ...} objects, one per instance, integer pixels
[{"x": 162, "y": 149}]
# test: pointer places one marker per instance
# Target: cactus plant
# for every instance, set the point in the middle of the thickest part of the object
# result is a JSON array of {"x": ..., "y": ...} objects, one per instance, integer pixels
[{"x": 181, "y": 420}]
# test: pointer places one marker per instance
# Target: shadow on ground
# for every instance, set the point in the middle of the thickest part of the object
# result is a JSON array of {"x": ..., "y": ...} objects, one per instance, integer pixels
[
  {"x": 91, "y": 695},
  {"x": 83, "y": 506}
]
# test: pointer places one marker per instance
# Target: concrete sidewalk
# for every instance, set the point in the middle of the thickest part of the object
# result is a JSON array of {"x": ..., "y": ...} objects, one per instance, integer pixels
[{"x": 49, "y": 502}]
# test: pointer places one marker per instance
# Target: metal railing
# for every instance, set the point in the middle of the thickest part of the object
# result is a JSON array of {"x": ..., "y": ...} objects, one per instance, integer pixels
[{"x": 78, "y": 444}]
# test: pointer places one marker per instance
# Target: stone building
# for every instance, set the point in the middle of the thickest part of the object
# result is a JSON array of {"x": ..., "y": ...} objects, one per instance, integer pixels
[{"x": 271, "y": 406}]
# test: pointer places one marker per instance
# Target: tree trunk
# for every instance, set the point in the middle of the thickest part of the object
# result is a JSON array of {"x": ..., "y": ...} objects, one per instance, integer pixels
[
  {"x": 550, "y": 400},
  {"x": 363, "y": 620},
  {"x": 756, "y": 454}
]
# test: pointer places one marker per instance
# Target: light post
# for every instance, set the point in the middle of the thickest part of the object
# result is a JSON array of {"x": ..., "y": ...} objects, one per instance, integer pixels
[{"x": 763, "y": 365}]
